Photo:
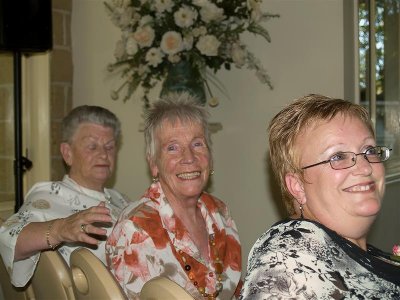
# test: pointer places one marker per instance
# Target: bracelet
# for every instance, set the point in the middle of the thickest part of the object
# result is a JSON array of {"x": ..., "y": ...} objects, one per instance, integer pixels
[{"x": 51, "y": 246}]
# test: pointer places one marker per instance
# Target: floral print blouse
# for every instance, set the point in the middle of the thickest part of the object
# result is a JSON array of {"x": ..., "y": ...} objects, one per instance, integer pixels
[
  {"x": 47, "y": 201},
  {"x": 301, "y": 259},
  {"x": 149, "y": 241}
]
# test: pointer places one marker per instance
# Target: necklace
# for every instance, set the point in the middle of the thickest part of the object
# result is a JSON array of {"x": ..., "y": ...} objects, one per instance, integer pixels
[{"x": 218, "y": 266}]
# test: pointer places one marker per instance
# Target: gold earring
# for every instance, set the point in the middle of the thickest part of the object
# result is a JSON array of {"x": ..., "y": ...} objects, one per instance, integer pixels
[
  {"x": 301, "y": 211},
  {"x": 212, "y": 172}
]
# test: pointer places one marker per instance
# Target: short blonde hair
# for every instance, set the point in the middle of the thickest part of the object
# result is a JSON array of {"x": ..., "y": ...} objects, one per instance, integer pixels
[{"x": 296, "y": 118}]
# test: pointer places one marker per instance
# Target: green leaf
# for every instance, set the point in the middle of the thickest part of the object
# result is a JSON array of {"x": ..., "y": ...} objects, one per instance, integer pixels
[{"x": 259, "y": 30}]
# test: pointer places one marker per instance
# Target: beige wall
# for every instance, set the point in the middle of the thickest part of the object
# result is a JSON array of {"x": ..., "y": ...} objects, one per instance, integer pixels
[
  {"x": 306, "y": 55},
  {"x": 60, "y": 80},
  {"x": 6, "y": 135}
]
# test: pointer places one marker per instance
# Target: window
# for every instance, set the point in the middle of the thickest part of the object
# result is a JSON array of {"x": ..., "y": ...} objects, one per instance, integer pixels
[{"x": 379, "y": 73}]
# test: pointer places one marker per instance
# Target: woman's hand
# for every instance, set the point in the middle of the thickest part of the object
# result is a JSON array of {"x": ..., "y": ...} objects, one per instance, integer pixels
[
  {"x": 85, "y": 226},
  {"x": 33, "y": 237}
]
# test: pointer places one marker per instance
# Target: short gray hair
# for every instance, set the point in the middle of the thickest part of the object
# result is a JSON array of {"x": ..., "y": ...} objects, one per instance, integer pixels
[
  {"x": 173, "y": 107},
  {"x": 89, "y": 114}
]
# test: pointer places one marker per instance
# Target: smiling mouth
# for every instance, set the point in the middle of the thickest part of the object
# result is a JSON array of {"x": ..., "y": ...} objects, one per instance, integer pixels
[
  {"x": 188, "y": 176},
  {"x": 361, "y": 188}
]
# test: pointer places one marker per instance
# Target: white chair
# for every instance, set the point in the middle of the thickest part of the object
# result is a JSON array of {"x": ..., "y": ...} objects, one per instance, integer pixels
[
  {"x": 162, "y": 288},
  {"x": 91, "y": 279},
  {"x": 10, "y": 292},
  {"x": 52, "y": 279}
]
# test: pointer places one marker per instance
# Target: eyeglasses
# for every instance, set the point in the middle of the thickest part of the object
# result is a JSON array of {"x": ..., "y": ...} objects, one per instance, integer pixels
[{"x": 345, "y": 160}]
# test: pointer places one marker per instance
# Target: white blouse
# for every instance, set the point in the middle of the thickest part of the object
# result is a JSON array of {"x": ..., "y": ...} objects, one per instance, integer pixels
[{"x": 47, "y": 201}]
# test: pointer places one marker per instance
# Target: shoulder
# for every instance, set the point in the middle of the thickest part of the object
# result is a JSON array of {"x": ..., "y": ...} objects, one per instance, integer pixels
[
  {"x": 138, "y": 221},
  {"x": 46, "y": 189},
  {"x": 291, "y": 235},
  {"x": 119, "y": 197},
  {"x": 214, "y": 204},
  {"x": 40, "y": 186},
  {"x": 55, "y": 188},
  {"x": 140, "y": 208}
]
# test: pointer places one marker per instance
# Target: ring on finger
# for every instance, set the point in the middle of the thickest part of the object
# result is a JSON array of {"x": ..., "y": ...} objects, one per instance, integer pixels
[{"x": 83, "y": 228}]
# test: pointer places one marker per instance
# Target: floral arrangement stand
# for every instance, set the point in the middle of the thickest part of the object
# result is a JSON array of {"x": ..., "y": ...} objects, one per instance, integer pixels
[
  {"x": 183, "y": 77},
  {"x": 196, "y": 36}
]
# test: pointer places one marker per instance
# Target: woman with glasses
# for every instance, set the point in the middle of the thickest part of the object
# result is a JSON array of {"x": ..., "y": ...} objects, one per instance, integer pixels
[{"x": 329, "y": 167}]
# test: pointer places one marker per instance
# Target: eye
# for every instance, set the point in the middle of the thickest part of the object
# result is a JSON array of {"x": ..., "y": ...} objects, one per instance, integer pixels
[
  {"x": 198, "y": 144},
  {"x": 172, "y": 147},
  {"x": 110, "y": 147},
  {"x": 373, "y": 151},
  {"x": 92, "y": 146},
  {"x": 339, "y": 156}
]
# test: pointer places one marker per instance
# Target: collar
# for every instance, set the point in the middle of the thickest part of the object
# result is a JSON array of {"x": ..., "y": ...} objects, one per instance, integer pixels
[{"x": 101, "y": 196}]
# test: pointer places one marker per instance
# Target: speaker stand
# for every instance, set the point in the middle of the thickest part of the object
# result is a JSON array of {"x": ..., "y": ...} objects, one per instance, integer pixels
[{"x": 21, "y": 163}]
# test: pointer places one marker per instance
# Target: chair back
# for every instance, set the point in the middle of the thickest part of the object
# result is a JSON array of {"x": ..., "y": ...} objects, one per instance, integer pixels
[
  {"x": 8, "y": 290},
  {"x": 91, "y": 279},
  {"x": 162, "y": 288},
  {"x": 52, "y": 279}
]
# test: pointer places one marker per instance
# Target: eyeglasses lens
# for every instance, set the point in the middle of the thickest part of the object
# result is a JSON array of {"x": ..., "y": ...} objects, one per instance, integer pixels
[{"x": 348, "y": 159}]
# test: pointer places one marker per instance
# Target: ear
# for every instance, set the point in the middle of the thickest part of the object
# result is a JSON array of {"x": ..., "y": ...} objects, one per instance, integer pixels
[
  {"x": 153, "y": 167},
  {"x": 66, "y": 153},
  {"x": 296, "y": 187}
]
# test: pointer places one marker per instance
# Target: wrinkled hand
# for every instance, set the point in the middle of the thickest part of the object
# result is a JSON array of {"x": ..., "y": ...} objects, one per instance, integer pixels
[{"x": 69, "y": 229}]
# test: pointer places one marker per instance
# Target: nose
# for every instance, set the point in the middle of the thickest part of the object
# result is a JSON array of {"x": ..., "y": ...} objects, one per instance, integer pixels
[
  {"x": 362, "y": 165},
  {"x": 188, "y": 155},
  {"x": 103, "y": 151}
]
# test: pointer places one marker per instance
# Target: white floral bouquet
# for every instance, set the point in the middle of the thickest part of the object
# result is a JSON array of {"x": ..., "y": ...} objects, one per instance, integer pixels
[{"x": 205, "y": 33}]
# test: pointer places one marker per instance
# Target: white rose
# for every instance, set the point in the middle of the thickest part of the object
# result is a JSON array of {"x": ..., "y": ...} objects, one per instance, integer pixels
[
  {"x": 131, "y": 46},
  {"x": 144, "y": 36},
  {"x": 185, "y": 16},
  {"x": 238, "y": 55},
  {"x": 154, "y": 57},
  {"x": 171, "y": 42},
  {"x": 126, "y": 17},
  {"x": 200, "y": 3},
  {"x": 143, "y": 69},
  {"x": 255, "y": 8},
  {"x": 163, "y": 5},
  {"x": 146, "y": 20},
  {"x": 208, "y": 45},
  {"x": 211, "y": 12},
  {"x": 187, "y": 42},
  {"x": 174, "y": 58},
  {"x": 202, "y": 30},
  {"x": 119, "y": 51}
]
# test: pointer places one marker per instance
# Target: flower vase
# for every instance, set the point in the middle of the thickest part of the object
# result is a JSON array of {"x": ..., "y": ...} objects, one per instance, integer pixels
[{"x": 183, "y": 77}]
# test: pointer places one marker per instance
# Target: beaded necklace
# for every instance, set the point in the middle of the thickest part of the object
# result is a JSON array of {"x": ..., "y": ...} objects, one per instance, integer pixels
[{"x": 219, "y": 268}]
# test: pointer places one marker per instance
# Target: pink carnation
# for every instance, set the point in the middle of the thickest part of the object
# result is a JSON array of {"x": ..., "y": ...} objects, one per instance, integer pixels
[{"x": 396, "y": 250}]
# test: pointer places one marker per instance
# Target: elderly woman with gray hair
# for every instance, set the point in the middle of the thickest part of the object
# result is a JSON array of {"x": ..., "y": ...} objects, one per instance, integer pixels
[
  {"x": 77, "y": 211},
  {"x": 177, "y": 230}
]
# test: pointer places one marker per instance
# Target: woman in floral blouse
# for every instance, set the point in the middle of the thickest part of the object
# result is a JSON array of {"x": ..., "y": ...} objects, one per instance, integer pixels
[
  {"x": 330, "y": 170},
  {"x": 177, "y": 230}
]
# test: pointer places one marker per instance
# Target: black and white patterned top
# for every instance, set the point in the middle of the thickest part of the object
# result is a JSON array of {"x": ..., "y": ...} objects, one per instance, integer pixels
[{"x": 301, "y": 259}]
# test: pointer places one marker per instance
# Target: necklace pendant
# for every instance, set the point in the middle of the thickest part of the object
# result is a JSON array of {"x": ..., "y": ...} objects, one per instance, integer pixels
[
  {"x": 219, "y": 268},
  {"x": 219, "y": 287}
]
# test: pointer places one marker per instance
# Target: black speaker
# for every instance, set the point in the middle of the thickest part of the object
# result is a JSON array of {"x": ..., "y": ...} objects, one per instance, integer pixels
[{"x": 25, "y": 25}]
